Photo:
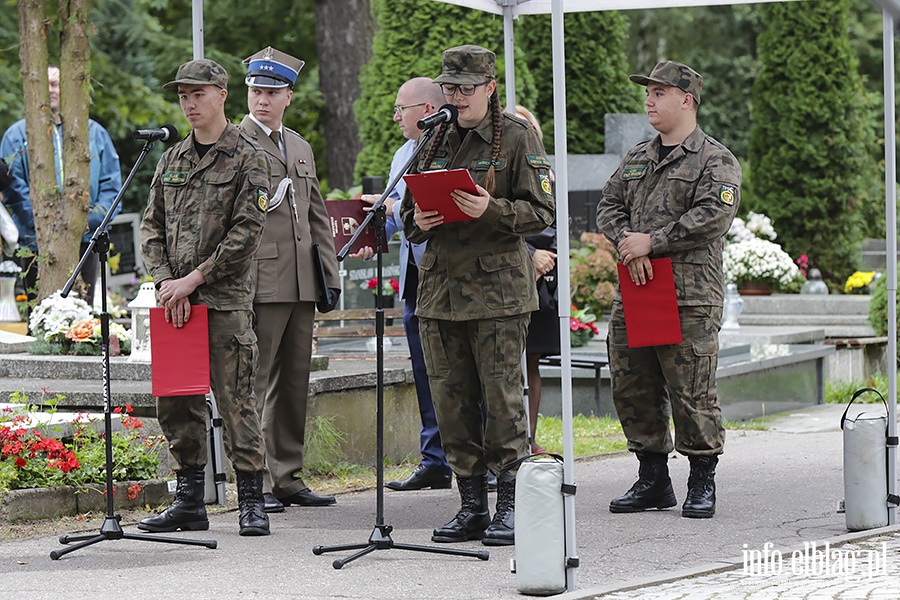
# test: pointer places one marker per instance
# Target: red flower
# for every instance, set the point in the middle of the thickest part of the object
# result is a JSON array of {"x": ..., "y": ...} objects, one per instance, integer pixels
[
  {"x": 20, "y": 462},
  {"x": 373, "y": 283},
  {"x": 133, "y": 490},
  {"x": 395, "y": 285}
]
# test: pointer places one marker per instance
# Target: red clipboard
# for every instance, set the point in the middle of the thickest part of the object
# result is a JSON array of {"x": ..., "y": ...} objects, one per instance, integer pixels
[
  {"x": 345, "y": 217},
  {"x": 431, "y": 191},
  {"x": 651, "y": 310},
  {"x": 179, "y": 358}
]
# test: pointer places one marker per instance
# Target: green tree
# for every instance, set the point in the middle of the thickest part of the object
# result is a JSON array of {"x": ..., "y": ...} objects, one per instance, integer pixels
[
  {"x": 408, "y": 43},
  {"x": 596, "y": 75},
  {"x": 807, "y": 144}
]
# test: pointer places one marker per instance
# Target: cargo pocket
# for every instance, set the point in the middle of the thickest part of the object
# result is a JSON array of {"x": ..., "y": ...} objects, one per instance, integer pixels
[
  {"x": 502, "y": 284},
  {"x": 266, "y": 265},
  {"x": 247, "y": 362},
  {"x": 705, "y": 362},
  {"x": 436, "y": 363},
  {"x": 426, "y": 280}
]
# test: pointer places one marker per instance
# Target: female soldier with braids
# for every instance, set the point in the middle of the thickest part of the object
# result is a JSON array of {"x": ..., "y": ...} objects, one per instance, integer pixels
[{"x": 476, "y": 289}]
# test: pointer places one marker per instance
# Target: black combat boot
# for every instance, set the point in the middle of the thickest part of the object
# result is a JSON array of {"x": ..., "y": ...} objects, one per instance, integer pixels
[
  {"x": 701, "y": 496},
  {"x": 653, "y": 489},
  {"x": 473, "y": 516},
  {"x": 187, "y": 511},
  {"x": 502, "y": 530},
  {"x": 253, "y": 520}
]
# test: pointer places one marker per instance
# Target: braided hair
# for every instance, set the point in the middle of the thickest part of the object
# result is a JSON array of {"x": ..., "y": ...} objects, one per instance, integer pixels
[{"x": 497, "y": 122}]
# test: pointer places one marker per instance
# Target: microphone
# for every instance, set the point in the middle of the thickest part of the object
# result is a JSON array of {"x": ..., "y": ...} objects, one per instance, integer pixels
[
  {"x": 445, "y": 114},
  {"x": 166, "y": 133}
]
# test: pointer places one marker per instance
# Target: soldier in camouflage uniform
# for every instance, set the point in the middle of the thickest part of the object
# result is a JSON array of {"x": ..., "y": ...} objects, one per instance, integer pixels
[
  {"x": 201, "y": 228},
  {"x": 673, "y": 196},
  {"x": 476, "y": 289}
]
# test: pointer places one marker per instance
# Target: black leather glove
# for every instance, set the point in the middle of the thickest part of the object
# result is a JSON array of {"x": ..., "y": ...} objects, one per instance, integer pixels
[{"x": 329, "y": 303}]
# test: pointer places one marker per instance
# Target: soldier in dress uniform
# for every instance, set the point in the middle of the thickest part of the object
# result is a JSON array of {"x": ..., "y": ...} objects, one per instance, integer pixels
[
  {"x": 673, "y": 196},
  {"x": 476, "y": 289},
  {"x": 201, "y": 228},
  {"x": 286, "y": 287}
]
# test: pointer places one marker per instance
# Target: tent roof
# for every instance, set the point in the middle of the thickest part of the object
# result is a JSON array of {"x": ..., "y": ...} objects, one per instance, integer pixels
[{"x": 535, "y": 7}]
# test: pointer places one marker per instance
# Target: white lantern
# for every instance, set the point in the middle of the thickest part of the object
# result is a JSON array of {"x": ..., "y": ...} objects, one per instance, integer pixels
[
  {"x": 140, "y": 322},
  {"x": 9, "y": 271}
]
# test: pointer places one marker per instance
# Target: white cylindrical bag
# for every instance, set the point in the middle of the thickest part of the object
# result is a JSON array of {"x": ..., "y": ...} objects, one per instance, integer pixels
[
  {"x": 865, "y": 469},
  {"x": 540, "y": 528}
]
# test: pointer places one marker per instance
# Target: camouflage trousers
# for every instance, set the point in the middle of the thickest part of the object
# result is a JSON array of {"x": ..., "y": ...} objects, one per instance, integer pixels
[
  {"x": 233, "y": 358},
  {"x": 650, "y": 384},
  {"x": 470, "y": 362}
]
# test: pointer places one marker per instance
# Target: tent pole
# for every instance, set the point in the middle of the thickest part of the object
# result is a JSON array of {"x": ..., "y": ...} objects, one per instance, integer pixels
[
  {"x": 509, "y": 58},
  {"x": 565, "y": 301},
  {"x": 890, "y": 181},
  {"x": 197, "y": 20}
]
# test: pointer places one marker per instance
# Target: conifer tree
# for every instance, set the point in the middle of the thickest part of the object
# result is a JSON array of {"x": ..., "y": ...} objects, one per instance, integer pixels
[{"x": 808, "y": 141}]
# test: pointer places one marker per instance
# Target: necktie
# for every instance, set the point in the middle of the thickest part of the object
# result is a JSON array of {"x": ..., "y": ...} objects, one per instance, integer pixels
[{"x": 276, "y": 137}]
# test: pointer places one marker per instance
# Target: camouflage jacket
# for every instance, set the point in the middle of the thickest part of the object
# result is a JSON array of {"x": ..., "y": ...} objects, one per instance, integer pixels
[
  {"x": 209, "y": 215},
  {"x": 686, "y": 203},
  {"x": 481, "y": 269}
]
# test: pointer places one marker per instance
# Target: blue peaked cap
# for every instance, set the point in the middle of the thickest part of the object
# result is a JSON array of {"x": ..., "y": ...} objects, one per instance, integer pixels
[{"x": 271, "y": 68}]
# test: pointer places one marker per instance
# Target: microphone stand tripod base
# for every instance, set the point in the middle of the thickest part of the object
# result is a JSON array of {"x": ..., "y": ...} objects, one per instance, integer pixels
[
  {"x": 381, "y": 540},
  {"x": 112, "y": 530}
]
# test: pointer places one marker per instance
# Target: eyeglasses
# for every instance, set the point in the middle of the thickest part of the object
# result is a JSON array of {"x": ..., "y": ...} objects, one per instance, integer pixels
[
  {"x": 398, "y": 110},
  {"x": 449, "y": 89}
]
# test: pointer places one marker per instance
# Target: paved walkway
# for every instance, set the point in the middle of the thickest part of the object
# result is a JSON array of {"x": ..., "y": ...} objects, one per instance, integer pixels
[{"x": 778, "y": 490}]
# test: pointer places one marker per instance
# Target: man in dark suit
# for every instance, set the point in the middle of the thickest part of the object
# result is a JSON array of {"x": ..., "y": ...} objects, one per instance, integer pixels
[{"x": 286, "y": 289}]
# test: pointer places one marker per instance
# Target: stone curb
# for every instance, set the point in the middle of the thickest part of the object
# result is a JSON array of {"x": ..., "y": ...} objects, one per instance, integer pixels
[
  {"x": 66, "y": 500},
  {"x": 597, "y": 592}
]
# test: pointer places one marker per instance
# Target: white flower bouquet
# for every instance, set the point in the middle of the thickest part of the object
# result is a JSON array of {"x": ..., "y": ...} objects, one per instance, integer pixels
[
  {"x": 756, "y": 259},
  {"x": 55, "y": 315}
]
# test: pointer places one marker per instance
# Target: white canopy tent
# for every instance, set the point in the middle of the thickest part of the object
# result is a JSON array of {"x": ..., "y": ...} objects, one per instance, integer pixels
[{"x": 511, "y": 9}]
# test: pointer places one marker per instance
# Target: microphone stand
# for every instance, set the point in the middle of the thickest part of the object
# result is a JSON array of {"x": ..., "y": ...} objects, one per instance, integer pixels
[
  {"x": 111, "y": 528},
  {"x": 380, "y": 539}
]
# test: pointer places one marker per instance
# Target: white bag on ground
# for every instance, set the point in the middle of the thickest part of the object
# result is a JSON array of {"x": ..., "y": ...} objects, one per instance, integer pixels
[
  {"x": 865, "y": 469},
  {"x": 540, "y": 528}
]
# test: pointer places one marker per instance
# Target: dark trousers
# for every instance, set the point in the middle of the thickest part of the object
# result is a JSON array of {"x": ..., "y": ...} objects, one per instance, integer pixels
[{"x": 432, "y": 452}]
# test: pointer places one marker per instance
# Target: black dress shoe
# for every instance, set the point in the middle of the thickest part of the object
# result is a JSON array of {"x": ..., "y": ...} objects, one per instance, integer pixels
[
  {"x": 271, "y": 504},
  {"x": 306, "y": 497},
  {"x": 422, "y": 478}
]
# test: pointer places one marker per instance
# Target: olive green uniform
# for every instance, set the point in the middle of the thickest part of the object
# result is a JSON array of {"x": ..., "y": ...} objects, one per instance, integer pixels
[
  {"x": 476, "y": 293},
  {"x": 686, "y": 202},
  {"x": 208, "y": 214}
]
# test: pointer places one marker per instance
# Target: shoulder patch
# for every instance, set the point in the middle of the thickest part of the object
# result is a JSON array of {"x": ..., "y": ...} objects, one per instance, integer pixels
[
  {"x": 174, "y": 177},
  {"x": 546, "y": 186},
  {"x": 539, "y": 161},
  {"x": 634, "y": 172},
  {"x": 262, "y": 199},
  {"x": 727, "y": 194}
]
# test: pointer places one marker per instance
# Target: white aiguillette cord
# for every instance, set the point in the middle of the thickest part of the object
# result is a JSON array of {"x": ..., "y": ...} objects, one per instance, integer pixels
[{"x": 285, "y": 187}]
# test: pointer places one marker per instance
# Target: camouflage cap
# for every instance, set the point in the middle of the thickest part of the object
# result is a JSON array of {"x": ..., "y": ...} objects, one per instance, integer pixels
[
  {"x": 675, "y": 74},
  {"x": 200, "y": 72},
  {"x": 466, "y": 65}
]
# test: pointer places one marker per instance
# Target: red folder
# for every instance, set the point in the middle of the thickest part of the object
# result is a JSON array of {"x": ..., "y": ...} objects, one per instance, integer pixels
[
  {"x": 651, "y": 310},
  {"x": 431, "y": 191},
  {"x": 345, "y": 217},
  {"x": 179, "y": 358}
]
